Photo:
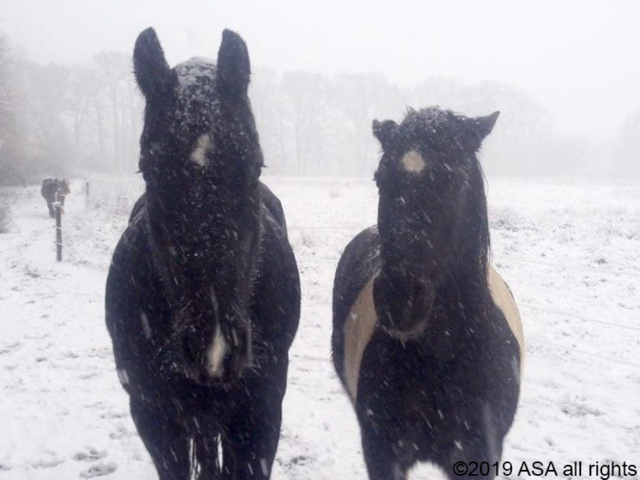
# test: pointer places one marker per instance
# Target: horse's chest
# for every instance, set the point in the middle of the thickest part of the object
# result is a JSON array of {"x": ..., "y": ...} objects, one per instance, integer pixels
[
  {"x": 359, "y": 329},
  {"x": 361, "y": 322}
]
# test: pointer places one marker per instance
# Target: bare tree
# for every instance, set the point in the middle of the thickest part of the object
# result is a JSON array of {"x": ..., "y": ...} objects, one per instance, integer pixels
[
  {"x": 361, "y": 98},
  {"x": 114, "y": 68},
  {"x": 11, "y": 134},
  {"x": 627, "y": 148},
  {"x": 270, "y": 109},
  {"x": 309, "y": 100}
]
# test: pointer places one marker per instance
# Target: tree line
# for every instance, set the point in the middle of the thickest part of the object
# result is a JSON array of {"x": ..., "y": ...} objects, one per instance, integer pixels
[{"x": 68, "y": 119}]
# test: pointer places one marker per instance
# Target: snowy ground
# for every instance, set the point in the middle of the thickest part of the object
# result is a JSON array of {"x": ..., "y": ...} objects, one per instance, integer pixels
[{"x": 569, "y": 250}]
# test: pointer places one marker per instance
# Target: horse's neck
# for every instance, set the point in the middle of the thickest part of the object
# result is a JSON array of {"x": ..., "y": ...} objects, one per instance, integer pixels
[
  {"x": 460, "y": 308},
  {"x": 465, "y": 289}
]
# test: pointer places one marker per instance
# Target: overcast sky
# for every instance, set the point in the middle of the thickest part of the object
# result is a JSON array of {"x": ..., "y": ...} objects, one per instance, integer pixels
[{"x": 579, "y": 58}]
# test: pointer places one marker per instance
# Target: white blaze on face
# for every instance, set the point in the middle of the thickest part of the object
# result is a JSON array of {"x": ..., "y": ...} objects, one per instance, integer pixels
[
  {"x": 199, "y": 154},
  {"x": 215, "y": 355},
  {"x": 413, "y": 162}
]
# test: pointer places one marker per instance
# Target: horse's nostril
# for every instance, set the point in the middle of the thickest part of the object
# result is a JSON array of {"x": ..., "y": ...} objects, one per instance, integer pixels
[{"x": 239, "y": 355}]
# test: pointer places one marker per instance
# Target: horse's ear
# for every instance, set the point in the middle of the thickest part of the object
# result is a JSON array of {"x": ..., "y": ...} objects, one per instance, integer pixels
[
  {"x": 234, "y": 69},
  {"x": 482, "y": 126},
  {"x": 152, "y": 71},
  {"x": 383, "y": 131}
]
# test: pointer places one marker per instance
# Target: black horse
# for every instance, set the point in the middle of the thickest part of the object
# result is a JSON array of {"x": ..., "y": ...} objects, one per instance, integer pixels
[
  {"x": 203, "y": 293},
  {"x": 426, "y": 336},
  {"x": 54, "y": 190}
]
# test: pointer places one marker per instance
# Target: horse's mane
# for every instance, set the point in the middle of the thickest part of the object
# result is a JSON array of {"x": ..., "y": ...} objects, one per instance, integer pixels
[{"x": 480, "y": 215}]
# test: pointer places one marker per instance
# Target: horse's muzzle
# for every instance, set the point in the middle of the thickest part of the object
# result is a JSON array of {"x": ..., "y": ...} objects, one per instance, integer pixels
[{"x": 239, "y": 354}]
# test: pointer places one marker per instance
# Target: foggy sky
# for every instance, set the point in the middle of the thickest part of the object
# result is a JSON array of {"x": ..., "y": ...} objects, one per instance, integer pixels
[{"x": 579, "y": 58}]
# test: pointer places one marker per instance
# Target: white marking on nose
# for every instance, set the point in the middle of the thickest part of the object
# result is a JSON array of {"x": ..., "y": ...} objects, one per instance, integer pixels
[
  {"x": 413, "y": 161},
  {"x": 215, "y": 355},
  {"x": 199, "y": 154}
]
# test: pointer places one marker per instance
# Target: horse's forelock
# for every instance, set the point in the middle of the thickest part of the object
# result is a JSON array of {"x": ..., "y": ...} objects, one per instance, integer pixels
[{"x": 195, "y": 74}]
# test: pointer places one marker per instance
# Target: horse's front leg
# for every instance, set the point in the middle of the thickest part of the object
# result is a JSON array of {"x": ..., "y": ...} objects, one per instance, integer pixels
[
  {"x": 383, "y": 462},
  {"x": 165, "y": 441},
  {"x": 474, "y": 455},
  {"x": 250, "y": 446},
  {"x": 251, "y": 438}
]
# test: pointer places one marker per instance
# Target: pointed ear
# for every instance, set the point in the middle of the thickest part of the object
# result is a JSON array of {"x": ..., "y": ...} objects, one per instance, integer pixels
[
  {"x": 152, "y": 71},
  {"x": 234, "y": 69},
  {"x": 482, "y": 126},
  {"x": 383, "y": 131}
]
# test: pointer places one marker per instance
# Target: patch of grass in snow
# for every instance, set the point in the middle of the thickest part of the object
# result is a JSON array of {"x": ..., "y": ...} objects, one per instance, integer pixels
[
  {"x": 114, "y": 195},
  {"x": 505, "y": 218},
  {"x": 308, "y": 240}
]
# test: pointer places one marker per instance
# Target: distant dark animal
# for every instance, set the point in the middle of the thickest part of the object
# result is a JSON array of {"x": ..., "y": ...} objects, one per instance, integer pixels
[
  {"x": 203, "y": 293},
  {"x": 427, "y": 339},
  {"x": 54, "y": 190}
]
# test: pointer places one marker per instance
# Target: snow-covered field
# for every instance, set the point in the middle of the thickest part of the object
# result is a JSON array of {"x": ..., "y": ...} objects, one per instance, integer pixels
[{"x": 570, "y": 251}]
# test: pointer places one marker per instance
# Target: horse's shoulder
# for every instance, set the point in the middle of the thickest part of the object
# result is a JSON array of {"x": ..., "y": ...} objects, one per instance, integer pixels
[
  {"x": 273, "y": 206},
  {"x": 359, "y": 263},
  {"x": 276, "y": 254},
  {"x": 359, "y": 257},
  {"x": 354, "y": 317},
  {"x": 131, "y": 250},
  {"x": 504, "y": 300}
]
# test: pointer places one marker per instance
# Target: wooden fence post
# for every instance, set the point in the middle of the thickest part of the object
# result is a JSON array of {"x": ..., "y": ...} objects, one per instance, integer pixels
[{"x": 58, "y": 206}]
